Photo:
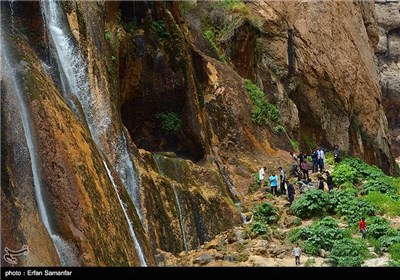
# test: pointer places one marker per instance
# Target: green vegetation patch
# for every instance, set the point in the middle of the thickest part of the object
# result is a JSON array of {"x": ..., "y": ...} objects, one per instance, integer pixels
[{"x": 170, "y": 122}]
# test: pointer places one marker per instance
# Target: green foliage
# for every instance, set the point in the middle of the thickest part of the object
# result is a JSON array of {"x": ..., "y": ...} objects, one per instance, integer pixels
[
  {"x": 256, "y": 185},
  {"x": 329, "y": 158},
  {"x": 356, "y": 209},
  {"x": 160, "y": 27},
  {"x": 265, "y": 213},
  {"x": 385, "y": 203},
  {"x": 263, "y": 112},
  {"x": 344, "y": 173},
  {"x": 236, "y": 6},
  {"x": 348, "y": 253},
  {"x": 393, "y": 263},
  {"x": 383, "y": 184},
  {"x": 378, "y": 227},
  {"x": 391, "y": 238},
  {"x": 279, "y": 129},
  {"x": 260, "y": 228},
  {"x": 211, "y": 40},
  {"x": 394, "y": 251},
  {"x": 320, "y": 235},
  {"x": 348, "y": 186},
  {"x": 295, "y": 144},
  {"x": 107, "y": 35},
  {"x": 297, "y": 221},
  {"x": 170, "y": 122},
  {"x": 313, "y": 203}
]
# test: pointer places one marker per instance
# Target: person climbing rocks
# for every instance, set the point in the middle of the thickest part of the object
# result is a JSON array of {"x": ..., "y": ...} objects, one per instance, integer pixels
[
  {"x": 320, "y": 183},
  {"x": 282, "y": 179},
  {"x": 274, "y": 184},
  {"x": 261, "y": 176},
  {"x": 321, "y": 159},
  {"x": 297, "y": 253},
  {"x": 291, "y": 192},
  {"x": 362, "y": 226},
  {"x": 314, "y": 157},
  {"x": 295, "y": 171},
  {"x": 301, "y": 157},
  {"x": 304, "y": 169},
  {"x": 329, "y": 181},
  {"x": 336, "y": 153}
]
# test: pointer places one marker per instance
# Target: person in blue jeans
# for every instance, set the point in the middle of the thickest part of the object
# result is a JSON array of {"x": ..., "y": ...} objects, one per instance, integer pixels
[{"x": 274, "y": 184}]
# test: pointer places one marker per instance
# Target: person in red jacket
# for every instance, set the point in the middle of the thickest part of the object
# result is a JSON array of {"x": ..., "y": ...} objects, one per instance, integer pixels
[{"x": 362, "y": 227}]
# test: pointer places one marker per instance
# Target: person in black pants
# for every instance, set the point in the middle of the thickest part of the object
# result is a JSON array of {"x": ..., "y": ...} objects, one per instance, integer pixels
[
  {"x": 320, "y": 183},
  {"x": 314, "y": 156},
  {"x": 329, "y": 181},
  {"x": 291, "y": 192},
  {"x": 282, "y": 178}
]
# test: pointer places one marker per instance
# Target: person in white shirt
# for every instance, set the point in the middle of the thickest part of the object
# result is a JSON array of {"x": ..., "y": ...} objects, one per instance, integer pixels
[
  {"x": 297, "y": 253},
  {"x": 261, "y": 175},
  {"x": 321, "y": 159}
]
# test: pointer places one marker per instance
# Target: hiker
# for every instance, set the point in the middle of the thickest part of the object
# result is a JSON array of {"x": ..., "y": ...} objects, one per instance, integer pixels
[
  {"x": 261, "y": 176},
  {"x": 295, "y": 171},
  {"x": 282, "y": 178},
  {"x": 301, "y": 157},
  {"x": 329, "y": 181},
  {"x": 314, "y": 156},
  {"x": 336, "y": 154},
  {"x": 363, "y": 229},
  {"x": 304, "y": 168},
  {"x": 321, "y": 159},
  {"x": 291, "y": 192},
  {"x": 320, "y": 183},
  {"x": 274, "y": 183},
  {"x": 297, "y": 253},
  {"x": 294, "y": 157}
]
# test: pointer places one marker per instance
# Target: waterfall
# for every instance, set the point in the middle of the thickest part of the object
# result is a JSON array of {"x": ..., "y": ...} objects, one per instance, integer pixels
[
  {"x": 244, "y": 218},
  {"x": 123, "y": 207},
  {"x": 64, "y": 250},
  {"x": 97, "y": 110},
  {"x": 12, "y": 16},
  {"x": 158, "y": 160}
]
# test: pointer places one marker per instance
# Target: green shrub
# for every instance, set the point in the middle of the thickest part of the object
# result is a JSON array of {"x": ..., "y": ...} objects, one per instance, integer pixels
[
  {"x": 256, "y": 185},
  {"x": 265, "y": 213},
  {"x": 297, "y": 221},
  {"x": 394, "y": 251},
  {"x": 236, "y": 6},
  {"x": 348, "y": 253},
  {"x": 313, "y": 203},
  {"x": 391, "y": 238},
  {"x": 393, "y": 263},
  {"x": 295, "y": 144},
  {"x": 259, "y": 228},
  {"x": 279, "y": 129},
  {"x": 107, "y": 35},
  {"x": 354, "y": 210},
  {"x": 385, "y": 203},
  {"x": 383, "y": 184},
  {"x": 348, "y": 186},
  {"x": 329, "y": 158},
  {"x": 320, "y": 235},
  {"x": 344, "y": 173},
  {"x": 378, "y": 227},
  {"x": 263, "y": 111},
  {"x": 170, "y": 122}
]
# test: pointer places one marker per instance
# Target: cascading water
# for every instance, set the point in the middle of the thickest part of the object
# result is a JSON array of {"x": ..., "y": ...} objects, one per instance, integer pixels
[
  {"x": 64, "y": 250},
  {"x": 96, "y": 109},
  {"x": 158, "y": 159},
  {"x": 123, "y": 207}
]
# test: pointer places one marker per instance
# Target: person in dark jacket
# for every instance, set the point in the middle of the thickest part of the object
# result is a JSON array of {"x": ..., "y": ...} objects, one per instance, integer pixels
[
  {"x": 320, "y": 183},
  {"x": 291, "y": 192},
  {"x": 329, "y": 181},
  {"x": 314, "y": 156}
]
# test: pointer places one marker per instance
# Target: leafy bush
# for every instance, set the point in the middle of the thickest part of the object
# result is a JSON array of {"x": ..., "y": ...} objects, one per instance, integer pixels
[
  {"x": 378, "y": 227},
  {"x": 383, "y": 184},
  {"x": 236, "y": 6},
  {"x": 256, "y": 185},
  {"x": 320, "y": 235},
  {"x": 391, "y": 238},
  {"x": 348, "y": 186},
  {"x": 263, "y": 111},
  {"x": 356, "y": 209},
  {"x": 312, "y": 203},
  {"x": 344, "y": 173},
  {"x": 348, "y": 253},
  {"x": 259, "y": 228},
  {"x": 279, "y": 129},
  {"x": 170, "y": 122},
  {"x": 385, "y": 203},
  {"x": 297, "y": 221},
  {"x": 265, "y": 213},
  {"x": 394, "y": 251},
  {"x": 295, "y": 144},
  {"x": 161, "y": 29},
  {"x": 329, "y": 158}
]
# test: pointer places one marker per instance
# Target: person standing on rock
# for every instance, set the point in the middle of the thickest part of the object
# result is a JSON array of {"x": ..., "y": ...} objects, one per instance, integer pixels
[
  {"x": 304, "y": 168},
  {"x": 297, "y": 253},
  {"x": 282, "y": 178},
  {"x": 291, "y": 192},
  {"x": 314, "y": 156},
  {"x": 261, "y": 176},
  {"x": 362, "y": 227},
  {"x": 320, "y": 183},
  {"x": 336, "y": 154},
  {"x": 321, "y": 159},
  {"x": 274, "y": 184}
]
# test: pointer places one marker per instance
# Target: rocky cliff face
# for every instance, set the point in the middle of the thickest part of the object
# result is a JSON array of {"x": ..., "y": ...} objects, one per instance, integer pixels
[
  {"x": 110, "y": 162},
  {"x": 387, "y": 54}
]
